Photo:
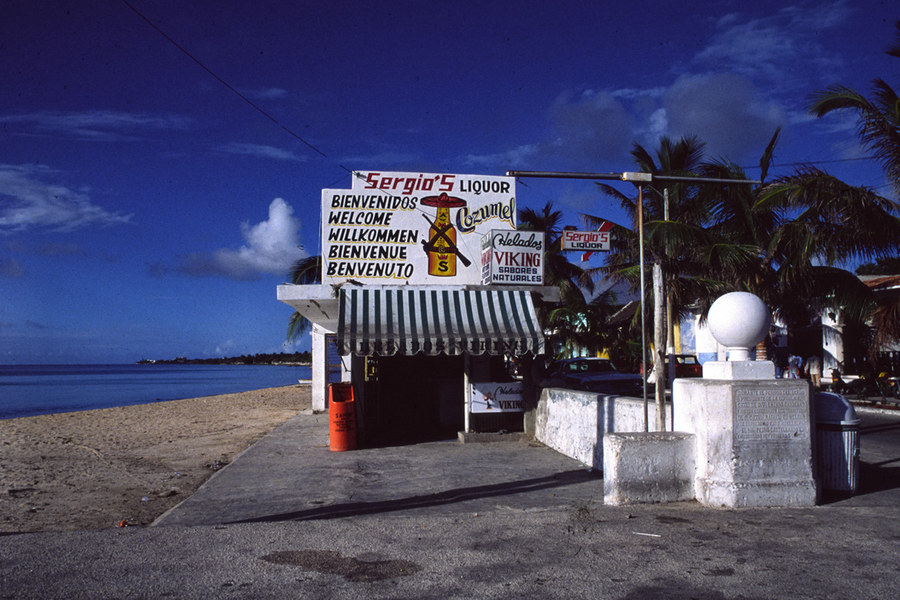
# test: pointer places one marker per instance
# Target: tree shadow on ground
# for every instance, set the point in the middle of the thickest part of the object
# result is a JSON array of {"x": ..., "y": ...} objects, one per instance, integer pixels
[{"x": 352, "y": 509}]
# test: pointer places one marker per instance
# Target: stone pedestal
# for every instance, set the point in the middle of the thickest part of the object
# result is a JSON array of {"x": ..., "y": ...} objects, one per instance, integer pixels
[
  {"x": 648, "y": 467},
  {"x": 754, "y": 442}
]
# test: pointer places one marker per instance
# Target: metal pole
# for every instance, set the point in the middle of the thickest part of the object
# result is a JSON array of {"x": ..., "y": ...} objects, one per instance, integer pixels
[
  {"x": 640, "y": 209},
  {"x": 563, "y": 175},
  {"x": 670, "y": 322},
  {"x": 626, "y": 176}
]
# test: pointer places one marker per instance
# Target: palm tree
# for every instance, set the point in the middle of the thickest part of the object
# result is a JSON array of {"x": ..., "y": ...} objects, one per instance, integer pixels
[
  {"x": 580, "y": 325},
  {"x": 673, "y": 233},
  {"x": 306, "y": 271},
  {"x": 558, "y": 271},
  {"x": 865, "y": 222},
  {"x": 782, "y": 240},
  {"x": 878, "y": 121}
]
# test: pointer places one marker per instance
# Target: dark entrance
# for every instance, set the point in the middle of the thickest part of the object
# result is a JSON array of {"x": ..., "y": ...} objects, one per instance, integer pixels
[{"x": 415, "y": 398}]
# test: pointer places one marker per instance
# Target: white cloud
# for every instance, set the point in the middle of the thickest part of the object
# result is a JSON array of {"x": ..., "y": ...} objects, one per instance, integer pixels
[
  {"x": 260, "y": 150},
  {"x": 591, "y": 126},
  {"x": 739, "y": 89},
  {"x": 27, "y": 201},
  {"x": 272, "y": 246},
  {"x": 271, "y": 93},
  {"x": 771, "y": 46},
  {"x": 224, "y": 348},
  {"x": 511, "y": 158},
  {"x": 95, "y": 125},
  {"x": 725, "y": 111}
]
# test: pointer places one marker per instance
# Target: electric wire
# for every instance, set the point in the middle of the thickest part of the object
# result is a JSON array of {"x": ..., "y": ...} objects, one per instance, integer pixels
[{"x": 230, "y": 87}]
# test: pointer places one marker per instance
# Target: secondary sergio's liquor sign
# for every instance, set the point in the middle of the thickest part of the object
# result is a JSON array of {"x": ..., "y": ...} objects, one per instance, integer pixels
[{"x": 412, "y": 227}]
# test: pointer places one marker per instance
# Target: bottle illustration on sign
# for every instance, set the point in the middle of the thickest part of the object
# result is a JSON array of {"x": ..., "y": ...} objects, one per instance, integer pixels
[{"x": 441, "y": 244}]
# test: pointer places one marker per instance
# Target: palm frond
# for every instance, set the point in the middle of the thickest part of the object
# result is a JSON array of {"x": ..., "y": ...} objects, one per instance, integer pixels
[
  {"x": 307, "y": 271},
  {"x": 297, "y": 326},
  {"x": 766, "y": 160}
]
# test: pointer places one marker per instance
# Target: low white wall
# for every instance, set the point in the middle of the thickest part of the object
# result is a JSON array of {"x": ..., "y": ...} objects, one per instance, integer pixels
[{"x": 573, "y": 422}]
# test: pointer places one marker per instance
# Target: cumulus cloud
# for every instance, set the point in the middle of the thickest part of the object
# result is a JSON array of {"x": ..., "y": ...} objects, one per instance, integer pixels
[
  {"x": 593, "y": 126},
  {"x": 737, "y": 90},
  {"x": 726, "y": 111},
  {"x": 29, "y": 201},
  {"x": 584, "y": 128},
  {"x": 260, "y": 150},
  {"x": 271, "y": 246}
]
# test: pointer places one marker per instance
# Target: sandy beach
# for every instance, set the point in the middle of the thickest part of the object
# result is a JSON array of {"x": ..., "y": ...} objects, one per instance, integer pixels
[{"x": 127, "y": 465}]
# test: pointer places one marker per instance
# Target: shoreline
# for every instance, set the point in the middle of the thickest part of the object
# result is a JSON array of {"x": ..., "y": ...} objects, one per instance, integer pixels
[{"x": 127, "y": 465}]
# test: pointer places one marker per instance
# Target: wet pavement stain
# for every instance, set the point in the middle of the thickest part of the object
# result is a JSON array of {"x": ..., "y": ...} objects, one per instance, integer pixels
[
  {"x": 668, "y": 520},
  {"x": 330, "y": 562}
]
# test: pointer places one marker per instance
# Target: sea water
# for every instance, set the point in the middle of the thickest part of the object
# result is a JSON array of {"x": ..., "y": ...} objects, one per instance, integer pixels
[{"x": 27, "y": 390}]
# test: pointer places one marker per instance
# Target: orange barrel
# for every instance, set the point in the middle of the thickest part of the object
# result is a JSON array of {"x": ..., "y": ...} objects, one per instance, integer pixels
[{"x": 341, "y": 417}]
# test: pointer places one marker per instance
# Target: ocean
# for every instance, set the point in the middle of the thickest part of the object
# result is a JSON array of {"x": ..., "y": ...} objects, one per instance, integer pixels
[{"x": 27, "y": 390}]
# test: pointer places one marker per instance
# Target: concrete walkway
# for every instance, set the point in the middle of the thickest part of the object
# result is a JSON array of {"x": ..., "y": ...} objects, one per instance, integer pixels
[
  {"x": 290, "y": 519},
  {"x": 291, "y": 475}
]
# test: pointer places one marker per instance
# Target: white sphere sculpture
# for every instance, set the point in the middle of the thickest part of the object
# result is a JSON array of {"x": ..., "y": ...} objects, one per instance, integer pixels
[{"x": 739, "y": 321}]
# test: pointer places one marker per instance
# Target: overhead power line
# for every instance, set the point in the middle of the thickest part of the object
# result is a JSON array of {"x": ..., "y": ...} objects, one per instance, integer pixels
[{"x": 255, "y": 106}]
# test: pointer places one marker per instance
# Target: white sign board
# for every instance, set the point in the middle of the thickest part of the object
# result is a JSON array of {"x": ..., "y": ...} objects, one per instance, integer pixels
[
  {"x": 589, "y": 241},
  {"x": 496, "y": 397},
  {"x": 416, "y": 228},
  {"x": 512, "y": 258}
]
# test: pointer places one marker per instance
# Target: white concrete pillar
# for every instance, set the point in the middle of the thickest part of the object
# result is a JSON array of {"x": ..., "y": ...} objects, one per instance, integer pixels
[
  {"x": 319, "y": 368},
  {"x": 832, "y": 342}
]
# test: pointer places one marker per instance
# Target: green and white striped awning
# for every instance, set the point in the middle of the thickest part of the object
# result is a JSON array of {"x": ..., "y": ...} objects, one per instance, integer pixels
[{"x": 435, "y": 320}]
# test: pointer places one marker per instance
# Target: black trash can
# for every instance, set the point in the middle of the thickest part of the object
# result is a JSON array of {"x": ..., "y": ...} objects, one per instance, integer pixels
[{"x": 837, "y": 443}]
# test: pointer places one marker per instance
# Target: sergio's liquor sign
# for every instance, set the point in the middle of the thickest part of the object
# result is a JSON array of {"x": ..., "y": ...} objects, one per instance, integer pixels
[
  {"x": 412, "y": 227},
  {"x": 592, "y": 241}
]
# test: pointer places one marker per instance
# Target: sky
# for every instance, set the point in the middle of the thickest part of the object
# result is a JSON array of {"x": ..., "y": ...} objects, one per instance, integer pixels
[{"x": 161, "y": 162}]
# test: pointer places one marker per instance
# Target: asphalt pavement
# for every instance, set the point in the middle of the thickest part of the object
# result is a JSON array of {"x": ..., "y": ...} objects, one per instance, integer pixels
[{"x": 290, "y": 519}]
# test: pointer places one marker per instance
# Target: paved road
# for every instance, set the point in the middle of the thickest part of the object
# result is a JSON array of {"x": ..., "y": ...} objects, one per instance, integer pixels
[{"x": 288, "y": 519}]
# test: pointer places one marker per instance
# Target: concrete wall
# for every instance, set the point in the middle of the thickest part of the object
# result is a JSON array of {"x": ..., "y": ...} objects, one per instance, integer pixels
[{"x": 573, "y": 422}]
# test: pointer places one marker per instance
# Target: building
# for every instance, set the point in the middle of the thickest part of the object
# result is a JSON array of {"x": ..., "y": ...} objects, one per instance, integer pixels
[{"x": 427, "y": 289}]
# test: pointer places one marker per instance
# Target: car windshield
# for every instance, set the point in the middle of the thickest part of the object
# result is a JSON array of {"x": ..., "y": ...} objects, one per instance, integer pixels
[{"x": 592, "y": 366}]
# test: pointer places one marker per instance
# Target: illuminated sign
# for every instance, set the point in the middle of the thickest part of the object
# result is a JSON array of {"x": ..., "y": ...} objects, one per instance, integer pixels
[{"x": 417, "y": 228}]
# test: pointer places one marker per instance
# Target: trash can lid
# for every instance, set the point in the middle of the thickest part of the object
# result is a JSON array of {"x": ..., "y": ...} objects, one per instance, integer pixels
[{"x": 834, "y": 408}]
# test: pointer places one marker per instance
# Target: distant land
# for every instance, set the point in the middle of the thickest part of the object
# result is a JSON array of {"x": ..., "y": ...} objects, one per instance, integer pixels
[{"x": 281, "y": 358}]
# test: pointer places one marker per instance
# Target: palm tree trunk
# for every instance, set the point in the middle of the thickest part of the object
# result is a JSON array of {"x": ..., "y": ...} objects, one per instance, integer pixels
[{"x": 659, "y": 341}]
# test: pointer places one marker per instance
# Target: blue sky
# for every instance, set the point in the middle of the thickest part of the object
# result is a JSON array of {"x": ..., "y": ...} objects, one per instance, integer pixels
[{"x": 147, "y": 210}]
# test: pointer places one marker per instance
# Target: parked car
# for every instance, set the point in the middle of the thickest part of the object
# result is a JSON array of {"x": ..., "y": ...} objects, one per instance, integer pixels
[
  {"x": 597, "y": 375},
  {"x": 686, "y": 365}
]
